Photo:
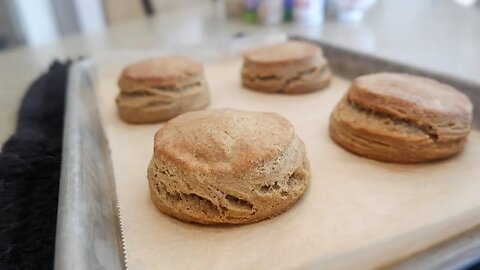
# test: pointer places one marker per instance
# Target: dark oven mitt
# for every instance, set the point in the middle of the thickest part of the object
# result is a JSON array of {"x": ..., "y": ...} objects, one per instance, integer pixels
[{"x": 29, "y": 175}]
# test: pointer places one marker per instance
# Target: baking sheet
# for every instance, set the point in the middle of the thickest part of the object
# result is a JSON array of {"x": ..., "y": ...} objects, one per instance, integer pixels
[{"x": 353, "y": 207}]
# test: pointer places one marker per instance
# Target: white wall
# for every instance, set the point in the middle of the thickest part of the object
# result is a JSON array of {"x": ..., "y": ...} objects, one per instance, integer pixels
[
  {"x": 90, "y": 15},
  {"x": 8, "y": 35},
  {"x": 36, "y": 20},
  {"x": 66, "y": 17},
  {"x": 44, "y": 21}
]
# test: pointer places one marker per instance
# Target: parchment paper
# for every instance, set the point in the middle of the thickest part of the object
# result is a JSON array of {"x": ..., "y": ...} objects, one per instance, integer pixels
[{"x": 356, "y": 212}]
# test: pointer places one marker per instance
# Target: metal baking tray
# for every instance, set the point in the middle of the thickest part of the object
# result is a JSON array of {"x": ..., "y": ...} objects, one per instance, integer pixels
[{"x": 88, "y": 227}]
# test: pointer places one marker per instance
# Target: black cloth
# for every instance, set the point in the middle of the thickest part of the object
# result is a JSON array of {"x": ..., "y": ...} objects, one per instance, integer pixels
[{"x": 29, "y": 175}]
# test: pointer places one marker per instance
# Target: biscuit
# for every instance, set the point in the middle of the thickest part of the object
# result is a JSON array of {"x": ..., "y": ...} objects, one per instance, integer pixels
[
  {"x": 159, "y": 89},
  {"x": 401, "y": 118},
  {"x": 227, "y": 167},
  {"x": 290, "y": 67}
]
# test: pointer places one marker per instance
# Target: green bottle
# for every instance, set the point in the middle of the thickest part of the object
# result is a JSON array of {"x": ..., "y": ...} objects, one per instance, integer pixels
[{"x": 250, "y": 11}]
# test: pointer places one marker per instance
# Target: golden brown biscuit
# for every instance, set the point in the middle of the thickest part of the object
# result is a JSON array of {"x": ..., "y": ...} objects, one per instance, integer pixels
[
  {"x": 401, "y": 118},
  {"x": 290, "y": 67},
  {"x": 159, "y": 89},
  {"x": 227, "y": 167}
]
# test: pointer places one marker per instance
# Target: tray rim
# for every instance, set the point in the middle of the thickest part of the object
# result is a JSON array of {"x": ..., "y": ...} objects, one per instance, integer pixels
[{"x": 80, "y": 242}]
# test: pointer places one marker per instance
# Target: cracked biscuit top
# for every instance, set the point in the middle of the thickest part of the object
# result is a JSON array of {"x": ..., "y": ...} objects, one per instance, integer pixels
[
  {"x": 290, "y": 52},
  {"x": 401, "y": 118},
  {"x": 418, "y": 100},
  {"x": 227, "y": 167},
  {"x": 292, "y": 67},
  {"x": 158, "y": 89},
  {"x": 227, "y": 141},
  {"x": 163, "y": 70}
]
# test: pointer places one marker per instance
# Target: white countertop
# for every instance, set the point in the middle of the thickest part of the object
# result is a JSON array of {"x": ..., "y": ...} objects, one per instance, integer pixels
[{"x": 437, "y": 35}]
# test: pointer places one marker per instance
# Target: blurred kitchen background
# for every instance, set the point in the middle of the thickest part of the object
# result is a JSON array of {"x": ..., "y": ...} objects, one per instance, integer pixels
[{"x": 40, "y": 22}]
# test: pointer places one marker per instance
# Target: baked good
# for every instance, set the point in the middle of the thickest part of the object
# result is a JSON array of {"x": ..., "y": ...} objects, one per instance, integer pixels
[
  {"x": 227, "y": 167},
  {"x": 290, "y": 67},
  {"x": 401, "y": 118},
  {"x": 158, "y": 89}
]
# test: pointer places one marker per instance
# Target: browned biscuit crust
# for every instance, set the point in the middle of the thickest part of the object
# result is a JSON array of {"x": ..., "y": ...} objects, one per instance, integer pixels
[
  {"x": 163, "y": 71},
  {"x": 157, "y": 90},
  {"x": 292, "y": 67},
  {"x": 401, "y": 118},
  {"x": 227, "y": 167}
]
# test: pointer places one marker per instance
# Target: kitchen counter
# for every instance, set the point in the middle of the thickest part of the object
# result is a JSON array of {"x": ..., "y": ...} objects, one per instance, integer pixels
[{"x": 437, "y": 35}]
